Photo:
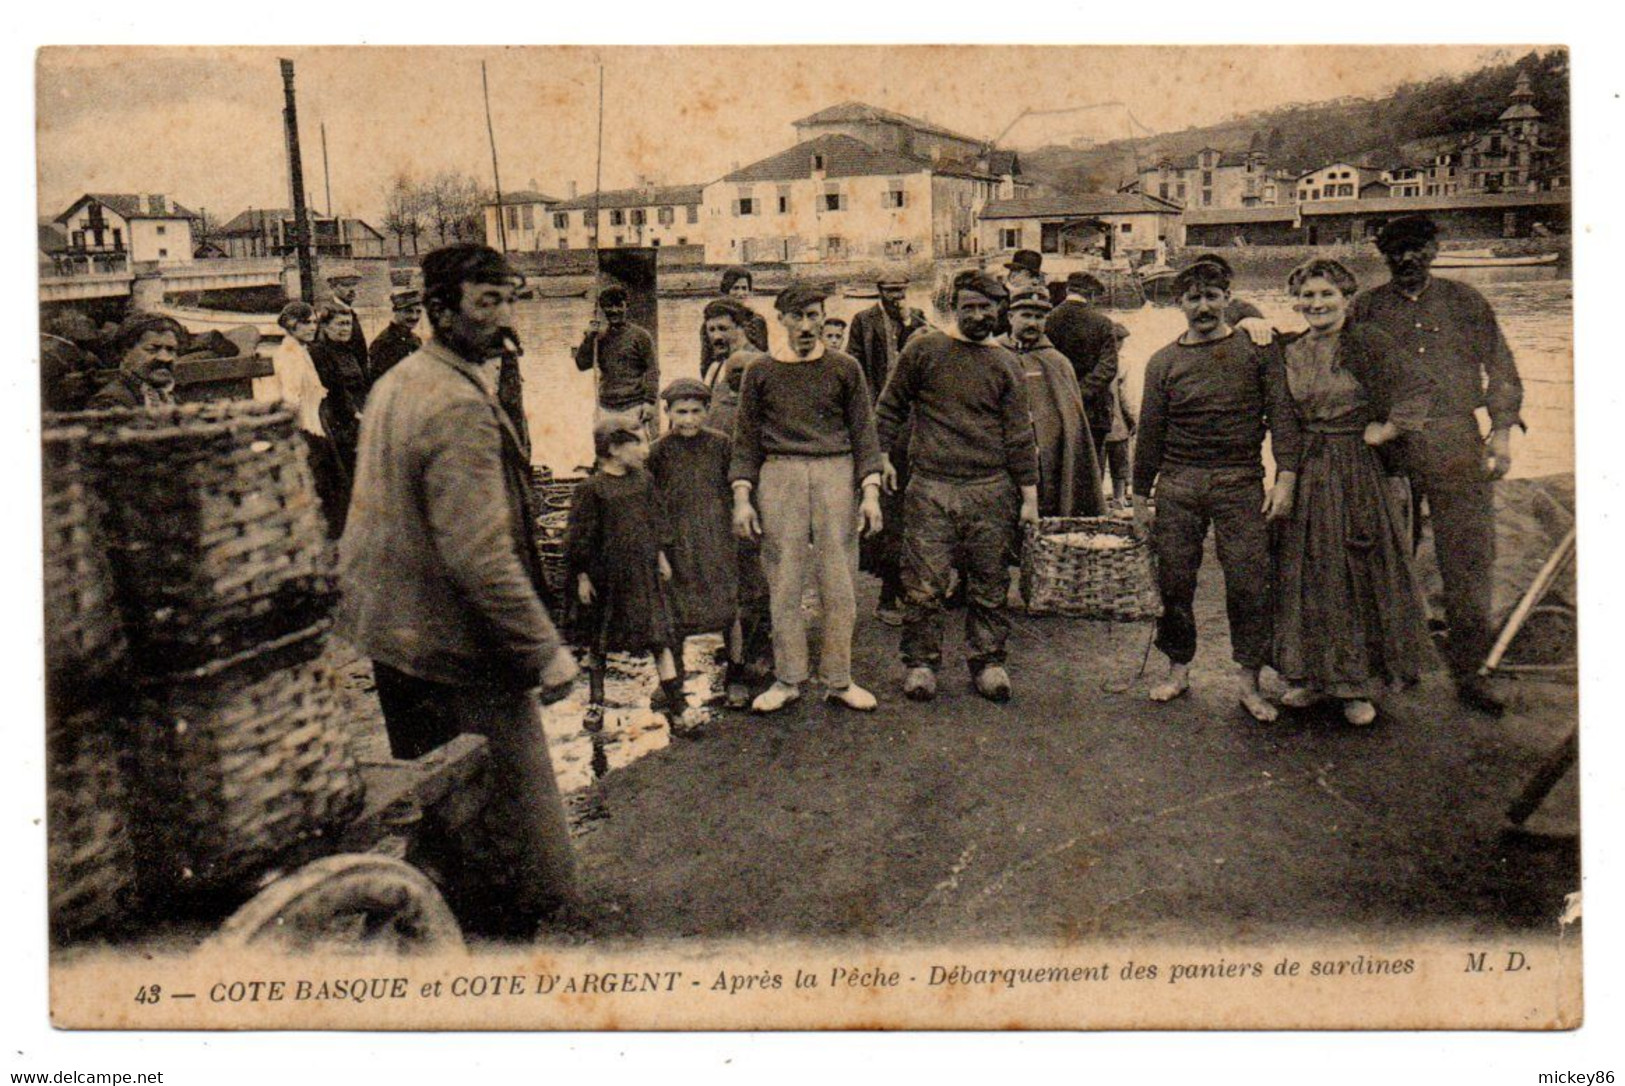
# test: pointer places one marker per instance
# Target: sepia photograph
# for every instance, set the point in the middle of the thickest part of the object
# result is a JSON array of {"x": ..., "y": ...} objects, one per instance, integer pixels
[{"x": 808, "y": 537}]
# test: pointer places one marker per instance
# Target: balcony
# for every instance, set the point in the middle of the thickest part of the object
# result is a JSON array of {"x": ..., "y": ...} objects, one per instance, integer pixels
[{"x": 77, "y": 262}]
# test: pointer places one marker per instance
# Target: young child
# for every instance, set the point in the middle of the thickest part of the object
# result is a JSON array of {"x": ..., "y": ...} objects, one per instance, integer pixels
[
  {"x": 616, "y": 546},
  {"x": 690, "y": 470},
  {"x": 1209, "y": 398},
  {"x": 1122, "y": 430},
  {"x": 835, "y": 333}
]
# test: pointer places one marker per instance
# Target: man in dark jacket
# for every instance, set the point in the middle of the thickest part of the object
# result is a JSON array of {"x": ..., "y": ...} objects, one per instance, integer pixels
[
  {"x": 400, "y": 338},
  {"x": 1089, "y": 341},
  {"x": 343, "y": 283},
  {"x": 1448, "y": 331},
  {"x": 146, "y": 345},
  {"x": 442, "y": 590},
  {"x": 877, "y": 336}
]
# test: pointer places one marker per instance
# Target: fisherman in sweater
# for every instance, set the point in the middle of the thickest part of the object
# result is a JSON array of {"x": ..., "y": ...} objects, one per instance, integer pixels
[
  {"x": 623, "y": 353},
  {"x": 974, "y": 473},
  {"x": 1209, "y": 397},
  {"x": 804, "y": 447}
]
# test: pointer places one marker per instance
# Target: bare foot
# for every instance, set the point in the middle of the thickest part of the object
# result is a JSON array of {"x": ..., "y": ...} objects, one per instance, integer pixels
[
  {"x": 1261, "y": 710},
  {"x": 1359, "y": 712},
  {"x": 1175, "y": 685},
  {"x": 1301, "y": 697}
]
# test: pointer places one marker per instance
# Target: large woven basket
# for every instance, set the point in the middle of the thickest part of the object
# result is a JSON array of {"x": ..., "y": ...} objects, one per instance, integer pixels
[
  {"x": 216, "y": 532},
  {"x": 558, "y": 494},
  {"x": 236, "y": 762},
  {"x": 1061, "y": 577},
  {"x": 89, "y": 849},
  {"x": 84, "y": 638},
  {"x": 550, "y": 530}
]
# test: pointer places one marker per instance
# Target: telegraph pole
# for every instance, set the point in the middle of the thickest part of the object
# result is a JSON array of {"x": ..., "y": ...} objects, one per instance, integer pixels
[{"x": 296, "y": 179}]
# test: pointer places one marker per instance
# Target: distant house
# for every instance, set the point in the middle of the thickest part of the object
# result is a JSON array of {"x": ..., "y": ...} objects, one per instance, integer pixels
[
  {"x": 863, "y": 183},
  {"x": 1217, "y": 179},
  {"x": 269, "y": 231},
  {"x": 525, "y": 222},
  {"x": 1467, "y": 216},
  {"x": 1113, "y": 225},
  {"x": 649, "y": 215},
  {"x": 1338, "y": 181},
  {"x": 1242, "y": 226},
  {"x": 116, "y": 228},
  {"x": 1511, "y": 156}
]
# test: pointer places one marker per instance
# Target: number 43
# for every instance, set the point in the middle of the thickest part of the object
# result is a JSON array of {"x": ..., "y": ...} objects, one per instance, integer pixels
[{"x": 148, "y": 993}]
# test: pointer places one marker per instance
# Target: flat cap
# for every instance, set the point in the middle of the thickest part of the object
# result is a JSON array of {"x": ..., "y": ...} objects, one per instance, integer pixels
[
  {"x": 1406, "y": 231},
  {"x": 1032, "y": 299},
  {"x": 686, "y": 388},
  {"x": 982, "y": 283},
  {"x": 798, "y": 296},
  {"x": 405, "y": 298}
]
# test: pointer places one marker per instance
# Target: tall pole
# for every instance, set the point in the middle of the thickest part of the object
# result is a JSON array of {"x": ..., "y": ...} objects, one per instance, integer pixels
[
  {"x": 496, "y": 175},
  {"x": 598, "y": 171},
  {"x": 296, "y": 180},
  {"x": 327, "y": 179}
]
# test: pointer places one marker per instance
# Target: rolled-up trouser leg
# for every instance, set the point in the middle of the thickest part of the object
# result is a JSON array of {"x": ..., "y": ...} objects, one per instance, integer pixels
[
  {"x": 1242, "y": 541},
  {"x": 784, "y": 500},
  {"x": 1180, "y": 527}
]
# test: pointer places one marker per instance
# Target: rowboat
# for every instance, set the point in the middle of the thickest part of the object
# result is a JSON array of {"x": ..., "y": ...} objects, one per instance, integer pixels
[{"x": 1484, "y": 258}]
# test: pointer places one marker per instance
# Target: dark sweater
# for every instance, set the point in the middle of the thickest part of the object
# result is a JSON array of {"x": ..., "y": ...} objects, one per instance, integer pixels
[
  {"x": 629, "y": 374},
  {"x": 815, "y": 408},
  {"x": 969, "y": 408},
  {"x": 1208, "y": 404},
  {"x": 1089, "y": 341}
]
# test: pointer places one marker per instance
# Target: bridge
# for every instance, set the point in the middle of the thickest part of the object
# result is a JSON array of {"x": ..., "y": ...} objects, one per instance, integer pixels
[{"x": 154, "y": 281}]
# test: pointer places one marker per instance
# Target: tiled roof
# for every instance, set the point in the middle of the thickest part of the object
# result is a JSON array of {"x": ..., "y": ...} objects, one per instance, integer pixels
[
  {"x": 862, "y": 112},
  {"x": 254, "y": 220},
  {"x": 843, "y": 157},
  {"x": 1081, "y": 206},
  {"x": 525, "y": 196},
  {"x": 659, "y": 196},
  {"x": 1438, "y": 203},
  {"x": 1217, "y": 216},
  {"x": 129, "y": 205},
  {"x": 52, "y": 238}
]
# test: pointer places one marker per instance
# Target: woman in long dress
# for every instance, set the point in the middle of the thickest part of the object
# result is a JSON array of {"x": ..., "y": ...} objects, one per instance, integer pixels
[{"x": 1349, "y": 618}]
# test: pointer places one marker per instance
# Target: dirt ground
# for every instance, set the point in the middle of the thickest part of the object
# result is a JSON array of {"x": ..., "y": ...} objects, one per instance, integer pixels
[{"x": 1073, "y": 813}]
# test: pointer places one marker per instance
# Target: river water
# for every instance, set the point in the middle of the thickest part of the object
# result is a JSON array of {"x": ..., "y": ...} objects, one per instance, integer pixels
[{"x": 1536, "y": 317}]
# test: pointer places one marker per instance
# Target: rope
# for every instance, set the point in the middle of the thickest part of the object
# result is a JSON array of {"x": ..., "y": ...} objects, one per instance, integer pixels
[{"x": 1106, "y": 685}]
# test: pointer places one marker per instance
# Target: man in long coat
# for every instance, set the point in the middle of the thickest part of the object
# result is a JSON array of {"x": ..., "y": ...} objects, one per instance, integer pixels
[{"x": 1068, "y": 474}]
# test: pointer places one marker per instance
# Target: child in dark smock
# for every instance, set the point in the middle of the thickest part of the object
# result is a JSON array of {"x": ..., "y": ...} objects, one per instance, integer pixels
[
  {"x": 616, "y": 549},
  {"x": 690, "y": 469}
]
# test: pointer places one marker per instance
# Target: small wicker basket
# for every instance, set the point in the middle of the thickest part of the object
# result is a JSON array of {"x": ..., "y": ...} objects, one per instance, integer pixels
[
  {"x": 236, "y": 762},
  {"x": 1064, "y": 571}
]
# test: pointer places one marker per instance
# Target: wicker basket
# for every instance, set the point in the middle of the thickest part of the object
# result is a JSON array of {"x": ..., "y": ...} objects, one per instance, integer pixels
[
  {"x": 236, "y": 762},
  {"x": 84, "y": 638},
  {"x": 550, "y": 530},
  {"x": 1059, "y": 578},
  {"x": 216, "y": 532},
  {"x": 558, "y": 494},
  {"x": 90, "y": 853}
]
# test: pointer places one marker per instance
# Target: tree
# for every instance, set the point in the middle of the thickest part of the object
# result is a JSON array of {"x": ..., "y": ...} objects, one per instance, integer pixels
[
  {"x": 454, "y": 207},
  {"x": 403, "y": 211}
]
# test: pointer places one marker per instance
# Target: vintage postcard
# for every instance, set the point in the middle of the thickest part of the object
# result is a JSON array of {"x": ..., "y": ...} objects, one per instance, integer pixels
[{"x": 809, "y": 537}]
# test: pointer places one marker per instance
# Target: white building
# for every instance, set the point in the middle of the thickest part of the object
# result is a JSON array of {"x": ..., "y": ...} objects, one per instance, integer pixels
[
  {"x": 1338, "y": 181},
  {"x": 1112, "y": 225},
  {"x": 138, "y": 228},
  {"x": 526, "y": 223},
  {"x": 863, "y": 184},
  {"x": 650, "y": 215}
]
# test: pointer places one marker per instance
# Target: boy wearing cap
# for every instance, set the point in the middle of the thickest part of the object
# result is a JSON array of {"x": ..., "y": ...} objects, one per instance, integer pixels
[
  {"x": 1209, "y": 398},
  {"x": 1068, "y": 477},
  {"x": 690, "y": 470},
  {"x": 443, "y": 592},
  {"x": 400, "y": 338},
  {"x": 623, "y": 353},
  {"x": 804, "y": 446},
  {"x": 343, "y": 284},
  {"x": 1449, "y": 332},
  {"x": 974, "y": 472}
]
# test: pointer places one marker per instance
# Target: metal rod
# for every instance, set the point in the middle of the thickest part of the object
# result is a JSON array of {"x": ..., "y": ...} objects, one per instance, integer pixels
[
  {"x": 327, "y": 179},
  {"x": 496, "y": 176},
  {"x": 296, "y": 180}
]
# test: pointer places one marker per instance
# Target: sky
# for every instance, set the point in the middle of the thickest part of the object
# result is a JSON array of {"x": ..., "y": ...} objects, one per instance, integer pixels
[{"x": 204, "y": 125}]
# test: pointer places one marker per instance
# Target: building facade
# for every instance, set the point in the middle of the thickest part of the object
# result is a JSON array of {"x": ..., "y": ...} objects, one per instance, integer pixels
[
  {"x": 1338, "y": 181},
  {"x": 1217, "y": 179},
  {"x": 269, "y": 231},
  {"x": 109, "y": 228},
  {"x": 524, "y": 223},
  {"x": 1110, "y": 225},
  {"x": 650, "y": 215}
]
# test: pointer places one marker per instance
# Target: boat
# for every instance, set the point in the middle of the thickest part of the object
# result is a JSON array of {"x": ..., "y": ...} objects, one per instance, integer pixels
[
  {"x": 203, "y": 321},
  {"x": 1484, "y": 258}
]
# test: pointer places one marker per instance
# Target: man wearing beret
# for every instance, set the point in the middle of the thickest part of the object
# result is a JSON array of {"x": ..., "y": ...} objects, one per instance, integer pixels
[
  {"x": 623, "y": 353},
  {"x": 400, "y": 338},
  {"x": 1068, "y": 476},
  {"x": 973, "y": 474},
  {"x": 343, "y": 284},
  {"x": 878, "y": 335},
  {"x": 1449, "y": 332},
  {"x": 1088, "y": 339},
  {"x": 443, "y": 592},
  {"x": 804, "y": 448}
]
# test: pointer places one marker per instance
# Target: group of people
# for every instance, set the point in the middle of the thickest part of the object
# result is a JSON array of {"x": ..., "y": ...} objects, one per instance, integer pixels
[{"x": 919, "y": 454}]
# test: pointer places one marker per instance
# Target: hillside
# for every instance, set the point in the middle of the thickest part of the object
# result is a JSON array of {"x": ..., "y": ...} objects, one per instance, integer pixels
[{"x": 1413, "y": 120}]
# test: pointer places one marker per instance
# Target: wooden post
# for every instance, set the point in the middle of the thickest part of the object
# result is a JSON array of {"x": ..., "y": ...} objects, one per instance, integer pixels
[{"x": 296, "y": 177}]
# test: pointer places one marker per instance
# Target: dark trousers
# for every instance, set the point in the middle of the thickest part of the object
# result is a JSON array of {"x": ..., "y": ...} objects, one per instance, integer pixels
[
  {"x": 1447, "y": 468},
  {"x": 1188, "y": 500},
  {"x": 514, "y": 866},
  {"x": 970, "y": 526}
]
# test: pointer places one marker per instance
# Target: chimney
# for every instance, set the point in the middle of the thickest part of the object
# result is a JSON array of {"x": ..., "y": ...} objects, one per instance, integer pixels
[
  {"x": 533, "y": 185},
  {"x": 572, "y": 190},
  {"x": 155, "y": 204}
]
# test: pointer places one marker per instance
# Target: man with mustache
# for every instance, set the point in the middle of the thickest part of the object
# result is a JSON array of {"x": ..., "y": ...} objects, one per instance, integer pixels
[
  {"x": 1209, "y": 398},
  {"x": 1068, "y": 475},
  {"x": 628, "y": 372},
  {"x": 1448, "y": 331},
  {"x": 973, "y": 468},
  {"x": 146, "y": 345},
  {"x": 443, "y": 592}
]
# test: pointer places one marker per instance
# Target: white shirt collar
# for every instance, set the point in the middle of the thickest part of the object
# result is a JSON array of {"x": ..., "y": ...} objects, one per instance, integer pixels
[{"x": 787, "y": 355}]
